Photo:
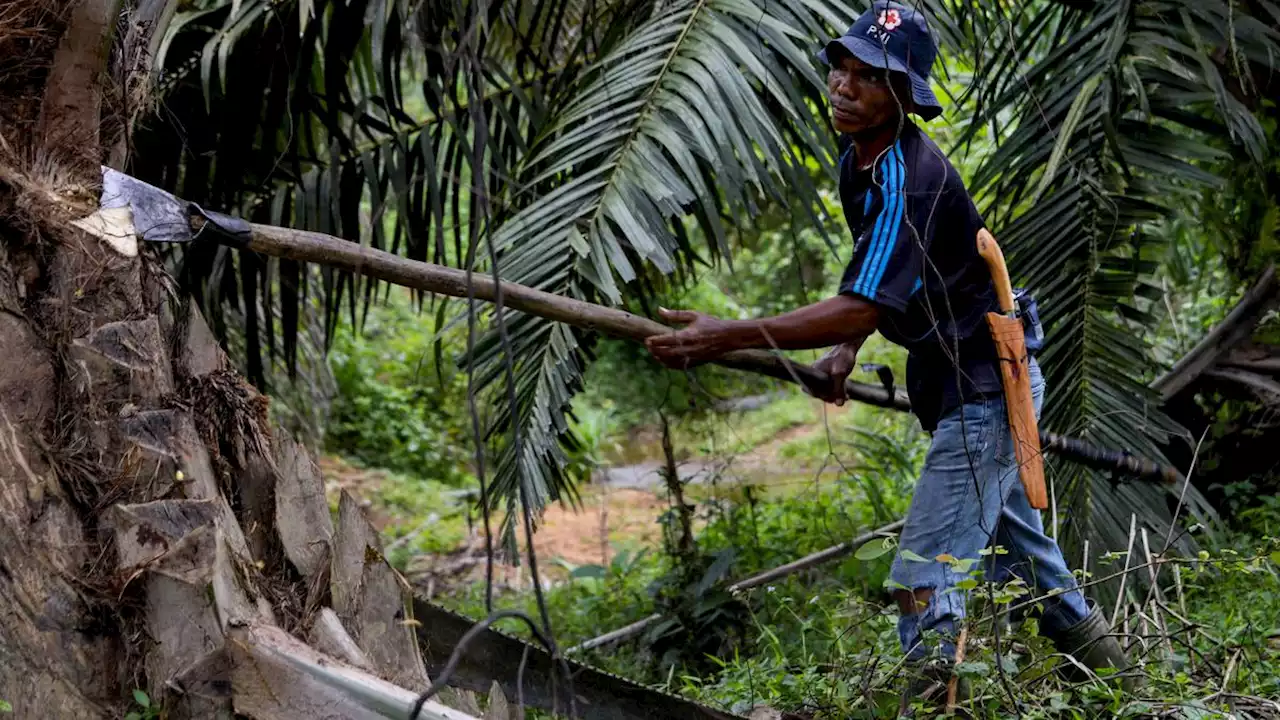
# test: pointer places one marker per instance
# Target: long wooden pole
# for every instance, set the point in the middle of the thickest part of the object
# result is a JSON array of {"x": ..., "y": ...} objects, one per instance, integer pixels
[
  {"x": 324, "y": 249},
  {"x": 334, "y": 252}
]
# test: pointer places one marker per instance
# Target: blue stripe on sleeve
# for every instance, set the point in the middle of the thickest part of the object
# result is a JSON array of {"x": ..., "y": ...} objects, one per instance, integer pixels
[
  {"x": 866, "y": 210},
  {"x": 885, "y": 233},
  {"x": 898, "y": 214},
  {"x": 877, "y": 232}
]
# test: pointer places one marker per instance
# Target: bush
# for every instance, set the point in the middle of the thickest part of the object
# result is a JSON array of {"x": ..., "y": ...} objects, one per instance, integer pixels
[{"x": 401, "y": 405}]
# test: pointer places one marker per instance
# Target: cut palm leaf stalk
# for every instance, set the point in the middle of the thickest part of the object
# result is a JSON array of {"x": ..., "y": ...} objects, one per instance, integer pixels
[{"x": 491, "y": 655}]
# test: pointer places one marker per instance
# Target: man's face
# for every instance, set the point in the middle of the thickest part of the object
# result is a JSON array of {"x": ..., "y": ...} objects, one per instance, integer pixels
[{"x": 860, "y": 95}]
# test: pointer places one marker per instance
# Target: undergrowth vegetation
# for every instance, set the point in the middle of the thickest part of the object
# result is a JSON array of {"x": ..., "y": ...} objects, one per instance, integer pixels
[
  {"x": 824, "y": 642},
  {"x": 401, "y": 405}
]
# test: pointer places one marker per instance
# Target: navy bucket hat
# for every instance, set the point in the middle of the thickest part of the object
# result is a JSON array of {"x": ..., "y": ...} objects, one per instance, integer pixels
[{"x": 896, "y": 37}]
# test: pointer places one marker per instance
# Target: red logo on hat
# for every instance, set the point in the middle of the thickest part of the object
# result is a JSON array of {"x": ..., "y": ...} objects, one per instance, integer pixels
[{"x": 890, "y": 19}]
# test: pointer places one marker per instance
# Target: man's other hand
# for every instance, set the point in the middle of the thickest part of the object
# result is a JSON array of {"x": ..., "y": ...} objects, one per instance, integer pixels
[
  {"x": 704, "y": 338},
  {"x": 837, "y": 364}
]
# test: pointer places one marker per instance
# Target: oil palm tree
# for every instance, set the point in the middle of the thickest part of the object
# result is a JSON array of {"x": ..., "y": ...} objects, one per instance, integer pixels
[{"x": 583, "y": 132}]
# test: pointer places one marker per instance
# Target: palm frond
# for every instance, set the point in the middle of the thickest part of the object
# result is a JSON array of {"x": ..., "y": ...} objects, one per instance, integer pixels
[
  {"x": 1100, "y": 133},
  {"x": 577, "y": 136},
  {"x": 308, "y": 114},
  {"x": 693, "y": 114}
]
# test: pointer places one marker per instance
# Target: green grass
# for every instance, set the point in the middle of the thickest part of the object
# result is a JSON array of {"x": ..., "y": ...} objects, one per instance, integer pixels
[
  {"x": 400, "y": 406},
  {"x": 826, "y": 641}
]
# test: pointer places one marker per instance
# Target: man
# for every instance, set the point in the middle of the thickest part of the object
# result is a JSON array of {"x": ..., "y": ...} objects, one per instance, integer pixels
[{"x": 916, "y": 277}]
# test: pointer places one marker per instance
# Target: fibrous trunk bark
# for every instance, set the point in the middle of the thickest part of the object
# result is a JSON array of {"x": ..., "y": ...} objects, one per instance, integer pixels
[
  {"x": 148, "y": 511},
  {"x": 69, "y": 354},
  {"x": 71, "y": 115}
]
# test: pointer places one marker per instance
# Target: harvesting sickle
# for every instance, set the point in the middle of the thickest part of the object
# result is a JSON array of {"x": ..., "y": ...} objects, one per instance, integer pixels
[{"x": 155, "y": 215}]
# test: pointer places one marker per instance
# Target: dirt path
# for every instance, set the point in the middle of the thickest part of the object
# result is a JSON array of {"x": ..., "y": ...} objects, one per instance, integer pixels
[
  {"x": 619, "y": 510},
  {"x": 759, "y": 465},
  {"x": 608, "y": 519}
]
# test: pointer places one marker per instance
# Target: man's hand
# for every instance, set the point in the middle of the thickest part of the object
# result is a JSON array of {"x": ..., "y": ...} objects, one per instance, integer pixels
[
  {"x": 839, "y": 319},
  {"x": 703, "y": 339},
  {"x": 837, "y": 363}
]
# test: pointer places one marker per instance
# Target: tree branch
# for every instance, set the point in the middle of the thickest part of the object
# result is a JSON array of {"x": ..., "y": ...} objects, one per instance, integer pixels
[
  {"x": 1264, "y": 388},
  {"x": 1260, "y": 359},
  {"x": 820, "y": 557}
]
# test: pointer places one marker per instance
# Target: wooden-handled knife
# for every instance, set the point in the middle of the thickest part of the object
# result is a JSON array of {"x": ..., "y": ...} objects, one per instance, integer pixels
[{"x": 1015, "y": 366}]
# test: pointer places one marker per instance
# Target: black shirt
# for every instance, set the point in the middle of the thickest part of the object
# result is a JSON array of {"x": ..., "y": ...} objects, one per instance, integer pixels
[{"x": 915, "y": 256}]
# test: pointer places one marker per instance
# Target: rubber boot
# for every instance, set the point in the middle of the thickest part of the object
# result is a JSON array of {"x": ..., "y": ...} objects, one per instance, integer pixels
[
  {"x": 1091, "y": 643},
  {"x": 928, "y": 685}
]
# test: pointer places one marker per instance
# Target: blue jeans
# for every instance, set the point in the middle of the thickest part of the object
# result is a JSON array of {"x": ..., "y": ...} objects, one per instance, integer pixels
[{"x": 969, "y": 497}]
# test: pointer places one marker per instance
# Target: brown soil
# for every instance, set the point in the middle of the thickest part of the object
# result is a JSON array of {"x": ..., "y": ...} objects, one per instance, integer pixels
[{"x": 630, "y": 516}]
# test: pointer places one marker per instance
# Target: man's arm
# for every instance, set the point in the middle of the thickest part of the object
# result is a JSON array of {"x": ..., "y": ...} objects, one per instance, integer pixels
[{"x": 834, "y": 321}]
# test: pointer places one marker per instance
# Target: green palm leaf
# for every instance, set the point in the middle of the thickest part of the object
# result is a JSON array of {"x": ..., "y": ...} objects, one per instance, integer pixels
[
  {"x": 1109, "y": 126},
  {"x": 342, "y": 144},
  {"x": 577, "y": 136},
  {"x": 693, "y": 114}
]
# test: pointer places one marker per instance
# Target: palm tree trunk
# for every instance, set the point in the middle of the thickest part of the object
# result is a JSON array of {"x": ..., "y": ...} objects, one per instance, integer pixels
[
  {"x": 131, "y": 453},
  {"x": 52, "y": 650},
  {"x": 56, "y": 638}
]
